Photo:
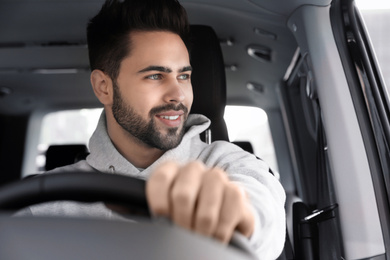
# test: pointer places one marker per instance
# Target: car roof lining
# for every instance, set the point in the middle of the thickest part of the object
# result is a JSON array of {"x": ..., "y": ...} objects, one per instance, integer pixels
[{"x": 44, "y": 64}]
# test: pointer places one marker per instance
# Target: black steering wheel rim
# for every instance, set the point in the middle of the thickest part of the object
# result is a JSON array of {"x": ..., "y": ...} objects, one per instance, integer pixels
[{"x": 76, "y": 186}]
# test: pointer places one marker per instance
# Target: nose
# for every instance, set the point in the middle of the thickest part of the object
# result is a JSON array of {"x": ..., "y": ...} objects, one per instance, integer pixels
[{"x": 174, "y": 93}]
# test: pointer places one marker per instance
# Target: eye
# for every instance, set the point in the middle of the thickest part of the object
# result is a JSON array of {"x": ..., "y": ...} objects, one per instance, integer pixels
[
  {"x": 154, "y": 77},
  {"x": 184, "y": 76}
]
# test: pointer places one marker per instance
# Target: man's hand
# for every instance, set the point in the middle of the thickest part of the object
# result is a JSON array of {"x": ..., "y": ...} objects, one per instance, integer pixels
[{"x": 200, "y": 199}]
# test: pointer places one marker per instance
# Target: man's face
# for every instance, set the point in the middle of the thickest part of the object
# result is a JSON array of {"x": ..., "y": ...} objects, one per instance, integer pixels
[{"x": 153, "y": 92}]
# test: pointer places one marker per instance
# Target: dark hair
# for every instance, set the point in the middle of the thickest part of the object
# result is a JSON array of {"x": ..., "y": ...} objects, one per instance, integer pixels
[{"x": 108, "y": 33}]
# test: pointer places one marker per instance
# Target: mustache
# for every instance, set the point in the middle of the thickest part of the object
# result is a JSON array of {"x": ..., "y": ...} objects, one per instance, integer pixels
[{"x": 163, "y": 108}]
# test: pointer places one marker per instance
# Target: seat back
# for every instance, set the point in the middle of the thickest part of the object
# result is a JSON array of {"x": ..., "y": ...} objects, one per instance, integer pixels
[
  {"x": 61, "y": 155},
  {"x": 208, "y": 79},
  {"x": 245, "y": 145}
]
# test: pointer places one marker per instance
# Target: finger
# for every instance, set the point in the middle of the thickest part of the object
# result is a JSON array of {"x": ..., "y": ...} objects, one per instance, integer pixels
[
  {"x": 210, "y": 201},
  {"x": 246, "y": 225},
  {"x": 184, "y": 193},
  {"x": 230, "y": 213},
  {"x": 158, "y": 188}
]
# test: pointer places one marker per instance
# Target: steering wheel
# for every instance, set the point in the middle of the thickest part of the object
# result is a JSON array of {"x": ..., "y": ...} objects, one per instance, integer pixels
[
  {"x": 59, "y": 238},
  {"x": 77, "y": 186}
]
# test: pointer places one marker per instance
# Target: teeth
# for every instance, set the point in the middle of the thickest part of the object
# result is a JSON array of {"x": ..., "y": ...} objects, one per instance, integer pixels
[{"x": 170, "y": 117}]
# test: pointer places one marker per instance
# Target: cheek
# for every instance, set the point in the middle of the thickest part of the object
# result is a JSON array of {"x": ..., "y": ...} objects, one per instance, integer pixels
[
  {"x": 139, "y": 101},
  {"x": 189, "y": 97}
]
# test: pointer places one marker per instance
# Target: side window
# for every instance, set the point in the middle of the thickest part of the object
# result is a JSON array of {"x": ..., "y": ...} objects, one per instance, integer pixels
[
  {"x": 66, "y": 127},
  {"x": 250, "y": 124},
  {"x": 376, "y": 16}
]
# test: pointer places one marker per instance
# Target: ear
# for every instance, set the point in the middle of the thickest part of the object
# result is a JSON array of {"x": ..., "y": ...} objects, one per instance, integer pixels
[{"x": 102, "y": 86}]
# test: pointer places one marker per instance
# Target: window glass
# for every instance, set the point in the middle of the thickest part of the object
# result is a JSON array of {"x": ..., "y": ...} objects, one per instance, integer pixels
[
  {"x": 251, "y": 124},
  {"x": 76, "y": 127},
  {"x": 69, "y": 127},
  {"x": 376, "y": 16},
  {"x": 66, "y": 127}
]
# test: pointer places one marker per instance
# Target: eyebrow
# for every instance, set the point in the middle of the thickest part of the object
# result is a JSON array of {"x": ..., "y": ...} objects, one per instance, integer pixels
[
  {"x": 164, "y": 69},
  {"x": 186, "y": 68}
]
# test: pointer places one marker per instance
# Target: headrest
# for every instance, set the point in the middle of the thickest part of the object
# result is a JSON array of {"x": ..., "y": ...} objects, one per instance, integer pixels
[
  {"x": 208, "y": 79},
  {"x": 61, "y": 155}
]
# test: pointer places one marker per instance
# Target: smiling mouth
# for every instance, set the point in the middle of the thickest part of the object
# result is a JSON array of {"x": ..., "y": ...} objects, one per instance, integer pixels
[
  {"x": 171, "y": 119},
  {"x": 171, "y": 115}
]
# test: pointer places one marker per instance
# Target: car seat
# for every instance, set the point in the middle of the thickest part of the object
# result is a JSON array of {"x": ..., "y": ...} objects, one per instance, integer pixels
[
  {"x": 208, "y": 80},
  {"x": 245, "y": 145},
  {"x": 61, "y": 155}
]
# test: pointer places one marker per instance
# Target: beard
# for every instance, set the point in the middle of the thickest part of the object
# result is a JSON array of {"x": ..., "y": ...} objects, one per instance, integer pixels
[{"x": 147, "y": 131}]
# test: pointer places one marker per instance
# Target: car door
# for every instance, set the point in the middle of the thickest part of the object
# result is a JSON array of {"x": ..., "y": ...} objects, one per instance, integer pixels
[{"x": 337, "y": 86}]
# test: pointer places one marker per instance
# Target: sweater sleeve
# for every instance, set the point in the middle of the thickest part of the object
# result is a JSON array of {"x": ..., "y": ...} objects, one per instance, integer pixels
[
  {"x": 270, "y": 228},
  {"x": 266, "y": 195}
]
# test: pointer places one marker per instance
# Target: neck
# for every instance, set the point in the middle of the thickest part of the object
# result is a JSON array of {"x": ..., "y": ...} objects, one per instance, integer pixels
[{"x": 134, "y": 150}]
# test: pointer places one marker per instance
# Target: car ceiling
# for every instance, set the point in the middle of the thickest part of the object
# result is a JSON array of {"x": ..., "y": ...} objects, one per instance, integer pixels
[{"x": 44, "y": 59}]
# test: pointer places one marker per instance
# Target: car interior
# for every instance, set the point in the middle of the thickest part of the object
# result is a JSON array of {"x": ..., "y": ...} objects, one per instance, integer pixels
[{"x": 291, "y": 58}]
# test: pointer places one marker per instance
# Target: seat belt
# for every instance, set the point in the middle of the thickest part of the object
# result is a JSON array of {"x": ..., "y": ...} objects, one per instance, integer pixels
[
  {"x": 318, "y": 233},
  {"x": 329, "y": 236}
]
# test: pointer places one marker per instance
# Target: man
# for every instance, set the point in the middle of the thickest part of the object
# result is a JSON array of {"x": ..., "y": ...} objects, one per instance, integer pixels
[{"x": 141, "y": 73}]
